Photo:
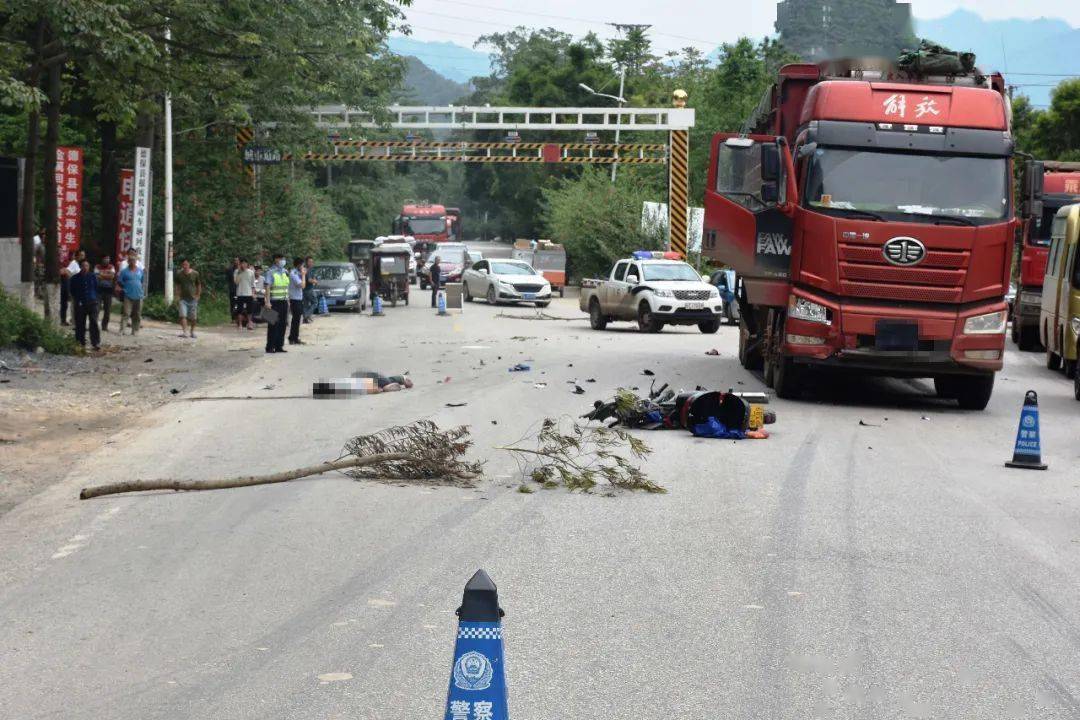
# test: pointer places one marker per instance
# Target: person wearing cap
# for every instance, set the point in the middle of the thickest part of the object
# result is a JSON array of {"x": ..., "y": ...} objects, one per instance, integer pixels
[{"x": 277, "y": 299}]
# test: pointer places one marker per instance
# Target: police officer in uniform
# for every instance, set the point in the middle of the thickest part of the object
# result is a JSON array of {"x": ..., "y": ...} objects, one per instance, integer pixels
[{"x": 277, "y": 299}]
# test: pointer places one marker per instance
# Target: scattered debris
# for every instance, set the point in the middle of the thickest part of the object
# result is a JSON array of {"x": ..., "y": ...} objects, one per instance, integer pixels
[
  {"x": 863, "y": 423},
  {"x": 522, "y": 338},
  {"x": 579, "y": 457},
  {"x": 540, "y": 385},
  {"x": 174, "y": 391},
  {"x": 705, "y": 413},
  {"x": 420, "y": 451},
  {"x": 648, "y": 372},
  {"x": 714, "y": 352},
  {"x": 520, "y": 367},
  {"x": 456, "y": 404},
  {"x": 148, "y": 360},
  {"x": 591, "y": 380},
  {"x": 115, "y": 393},
  {"x": 578, "y": 390}
]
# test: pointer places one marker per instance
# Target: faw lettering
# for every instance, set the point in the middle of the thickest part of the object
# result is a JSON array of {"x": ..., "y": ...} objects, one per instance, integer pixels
[{"x": 773, "y": 244}]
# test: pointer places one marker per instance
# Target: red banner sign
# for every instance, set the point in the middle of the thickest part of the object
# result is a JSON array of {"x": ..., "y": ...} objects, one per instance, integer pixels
[
  {"x": 125, "y": 216},
  {"x": 69, "y": 180}
]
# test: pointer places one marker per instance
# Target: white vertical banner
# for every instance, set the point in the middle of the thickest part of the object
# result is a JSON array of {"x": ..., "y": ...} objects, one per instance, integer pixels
[{"x": 140, "y": 221}]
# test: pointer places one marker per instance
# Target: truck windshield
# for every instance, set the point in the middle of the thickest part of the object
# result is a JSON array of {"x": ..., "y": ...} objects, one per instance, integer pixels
[
  {"x": 427, "y": 226},
  {"x": 670, "y": 272},
  {"x": 907, "y": 184}
]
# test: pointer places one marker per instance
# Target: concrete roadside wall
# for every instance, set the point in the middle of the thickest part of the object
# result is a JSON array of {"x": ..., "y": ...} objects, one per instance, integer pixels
[{"x": 10, "y": 264}]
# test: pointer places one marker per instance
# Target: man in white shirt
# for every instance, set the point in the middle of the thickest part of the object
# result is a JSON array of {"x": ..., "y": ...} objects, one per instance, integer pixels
[
  {"x": 66, "y": 273},
  {"x": 244, "y": 280}
]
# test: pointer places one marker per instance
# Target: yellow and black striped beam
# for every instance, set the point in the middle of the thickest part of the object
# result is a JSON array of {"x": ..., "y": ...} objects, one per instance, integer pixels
[
  {"x": 678, "y": 191},
  {"x": 483, "y": 159},
  {"x": 244, "y": 135},
  {"x": 468, "y": 145}
]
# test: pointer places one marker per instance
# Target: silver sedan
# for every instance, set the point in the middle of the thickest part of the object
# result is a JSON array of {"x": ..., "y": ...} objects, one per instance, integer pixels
[{"x": 509, "y": 281}]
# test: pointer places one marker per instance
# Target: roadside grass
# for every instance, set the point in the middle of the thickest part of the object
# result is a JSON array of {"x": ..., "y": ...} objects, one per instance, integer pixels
[
  {"x": 22, "y": 327},
  {"x": 213, "y": 309}
]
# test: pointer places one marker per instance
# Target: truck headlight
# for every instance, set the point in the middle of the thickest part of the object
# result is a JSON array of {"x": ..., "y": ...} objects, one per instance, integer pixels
[
  {"x": 1075, "y": 325},
  {"x": 1030, "y": 298},
  {"x": 663, "y": 293},
  {"x": 988, "y": 324},
  {"x": 808, "y": 310}
]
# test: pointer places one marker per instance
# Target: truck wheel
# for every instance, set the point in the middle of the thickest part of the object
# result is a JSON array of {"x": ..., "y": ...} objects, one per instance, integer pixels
[
  {"x": 1014, "y": 330},
  {"x": 945, "y": 387},
  {"x": 749, "y": 358},
  {"x": 787, "y": 379},
  {"x": 1076, "y": 386},
  {"x": 465, "y": 292},
  {"x": 647, "y": 321},
  {"x": 709, "y": 327},
  {"x": 1069, "y": 366},
  {"x": 1029, "y": 338},
  {"x": 973, "y": 392},
  {"x": 596, "y": 317},
  {"x": 1053, "y": 360}
]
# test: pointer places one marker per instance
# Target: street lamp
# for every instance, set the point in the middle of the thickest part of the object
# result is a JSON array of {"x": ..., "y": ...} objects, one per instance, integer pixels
[
  {"x": 617, "y": 98},
  {"x": 618, "y": 118}
]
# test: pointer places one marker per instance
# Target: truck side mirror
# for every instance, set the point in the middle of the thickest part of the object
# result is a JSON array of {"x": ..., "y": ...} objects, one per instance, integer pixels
[
  {"x": 1033, "y": 179},
  {"x": 770, "y": 163}
]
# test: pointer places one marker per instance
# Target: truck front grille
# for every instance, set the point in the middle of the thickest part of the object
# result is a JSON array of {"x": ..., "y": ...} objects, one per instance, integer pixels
[{"x": 939, "y": 278}]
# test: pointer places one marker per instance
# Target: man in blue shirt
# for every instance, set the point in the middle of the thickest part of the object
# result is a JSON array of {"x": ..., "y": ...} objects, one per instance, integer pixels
[
  {"x": 297, "y": 280},
  {"x": 84, "y": 293},
  {"x": 130, "y": 281}
]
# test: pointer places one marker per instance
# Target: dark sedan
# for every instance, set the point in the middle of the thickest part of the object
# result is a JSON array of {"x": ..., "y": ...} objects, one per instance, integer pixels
[{"x": 340, "y": 285}]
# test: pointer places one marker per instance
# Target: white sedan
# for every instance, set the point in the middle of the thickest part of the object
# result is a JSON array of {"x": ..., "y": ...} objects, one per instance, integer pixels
[{"x": 510, "y": 281}]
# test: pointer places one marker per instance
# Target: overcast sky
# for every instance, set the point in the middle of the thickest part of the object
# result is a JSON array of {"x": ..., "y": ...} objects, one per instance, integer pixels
[{"x": 703, "y": 23}]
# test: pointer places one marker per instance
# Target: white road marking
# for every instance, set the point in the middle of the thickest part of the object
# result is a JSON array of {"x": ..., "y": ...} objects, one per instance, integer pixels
[
  {"x": 79, "y": 541},
  {"x": 377, "y": 602},
  {"x": 327, "y": 678}
]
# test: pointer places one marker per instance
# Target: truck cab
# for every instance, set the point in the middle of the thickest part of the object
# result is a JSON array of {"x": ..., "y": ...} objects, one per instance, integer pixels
[
  {"x": 1048, "y": 187},
  {"x": 871, "y": 220}
]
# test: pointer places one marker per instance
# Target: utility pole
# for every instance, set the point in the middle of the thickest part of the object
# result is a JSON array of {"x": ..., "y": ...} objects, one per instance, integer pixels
[
  {"x": 168, "y": 195},
  {"x": 628, "y": 28}
]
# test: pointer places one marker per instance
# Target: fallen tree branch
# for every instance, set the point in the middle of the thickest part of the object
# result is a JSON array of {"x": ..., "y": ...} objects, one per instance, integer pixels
[{"x": 242, "y": 481}]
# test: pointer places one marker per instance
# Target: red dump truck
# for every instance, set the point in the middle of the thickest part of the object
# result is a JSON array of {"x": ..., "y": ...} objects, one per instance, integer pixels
[
  {"x": 870, "y": 215},
  {"x": 422, "y": 220},
  {"x": 1048, "y": 187}
]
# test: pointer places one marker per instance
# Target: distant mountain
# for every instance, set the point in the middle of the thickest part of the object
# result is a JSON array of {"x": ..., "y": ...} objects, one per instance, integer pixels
[
  {"x": 450, "y": 60},
  {"x": 424, "y": 86},
  {"x": 1014, "y": 47}
]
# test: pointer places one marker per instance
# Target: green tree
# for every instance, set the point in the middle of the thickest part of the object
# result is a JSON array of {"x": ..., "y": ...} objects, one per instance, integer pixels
[
  {"x": 1055, "y": 132},
  {"x": 599, "y": 221}
]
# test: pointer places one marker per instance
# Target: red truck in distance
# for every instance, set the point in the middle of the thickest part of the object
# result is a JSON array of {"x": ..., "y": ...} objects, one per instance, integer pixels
[
  {"x": 871, "y": 219},
  {"x": 424, "y": 221},
  {"x": 1048, "y": 187}
]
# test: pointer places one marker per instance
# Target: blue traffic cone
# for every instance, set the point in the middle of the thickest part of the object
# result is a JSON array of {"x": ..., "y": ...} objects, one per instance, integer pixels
[
  {"x": 477, "y": 681},
  {"x": 324, "y": 309},
  {"x": 1028, "y": 451},
  {"x": 376, "y": 306},
  {"x": 441, "y": 302}
]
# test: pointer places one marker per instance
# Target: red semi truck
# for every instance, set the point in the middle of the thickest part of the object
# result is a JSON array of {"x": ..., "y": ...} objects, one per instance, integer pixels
[
  {"x": 871, "y": 219},
  {"x": 424, "y": 221},
  {"x": 1048, "y": 187}
]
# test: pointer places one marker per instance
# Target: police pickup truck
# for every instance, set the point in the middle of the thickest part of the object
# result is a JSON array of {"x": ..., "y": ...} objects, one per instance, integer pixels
[{"x": 655, "y": 289}]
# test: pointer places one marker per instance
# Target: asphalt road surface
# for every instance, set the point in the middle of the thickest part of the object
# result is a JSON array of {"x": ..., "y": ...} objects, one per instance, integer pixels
[{"x": 892, "y": 569}]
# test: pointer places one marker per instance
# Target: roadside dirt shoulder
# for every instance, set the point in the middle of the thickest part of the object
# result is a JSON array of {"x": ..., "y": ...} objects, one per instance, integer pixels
[{"x": 56, "y": 410}]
